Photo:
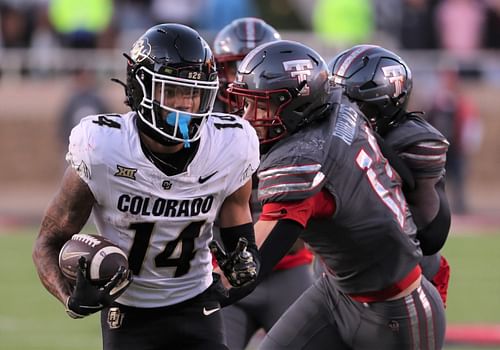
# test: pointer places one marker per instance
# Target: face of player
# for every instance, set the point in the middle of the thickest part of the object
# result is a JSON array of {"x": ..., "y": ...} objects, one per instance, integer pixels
[
  {"x": 182, "y": 98},
  {"x": 260, "y": 114}
]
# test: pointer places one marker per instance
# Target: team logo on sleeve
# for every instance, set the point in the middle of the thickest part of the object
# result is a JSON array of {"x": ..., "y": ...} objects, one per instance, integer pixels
[
  {"x": 81, "y": 168},
  {"x": 247, "y": 173},
  {"x": 125, "y": 172},
  {"x": 299, "y": 69}
]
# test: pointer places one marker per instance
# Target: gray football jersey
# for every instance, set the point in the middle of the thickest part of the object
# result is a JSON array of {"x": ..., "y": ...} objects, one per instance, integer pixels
[
  {"x": 163, "y": 223},
  {"x": 421, "y": 146},
  {"x": 369, "y": 243}
]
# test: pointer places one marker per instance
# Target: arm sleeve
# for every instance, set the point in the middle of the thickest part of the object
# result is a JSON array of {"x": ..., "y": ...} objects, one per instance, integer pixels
[{"x": 433, "y": 236}]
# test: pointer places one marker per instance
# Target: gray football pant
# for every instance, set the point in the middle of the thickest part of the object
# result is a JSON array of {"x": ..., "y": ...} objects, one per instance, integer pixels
[
  {"x": 263, "y": 307},
  {"x": 324, "y": 318}
]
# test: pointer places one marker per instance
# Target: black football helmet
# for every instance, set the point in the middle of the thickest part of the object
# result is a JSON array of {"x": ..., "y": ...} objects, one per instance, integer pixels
[
  {"x": 378, "y": 80},
  {"x": 231, "y": 45},
  {"x": 171, "y": 83},
  {"x": 287, "y": 79}
]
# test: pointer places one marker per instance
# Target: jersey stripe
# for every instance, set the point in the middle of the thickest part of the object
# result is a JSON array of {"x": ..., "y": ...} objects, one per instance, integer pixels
[
  {"x": 413, "y": 319},
  {"x": 348, "y": 59},
  {"x": 289, "y": 179},
  {"x": 428, "y": 317},
  {"x": 295, "y": 169},
  {"x": 426, "y": 159},
  {"x": 283, "y": 188}
]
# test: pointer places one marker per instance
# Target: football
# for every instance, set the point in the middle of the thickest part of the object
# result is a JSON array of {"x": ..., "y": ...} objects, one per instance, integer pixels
[{"x": 104, "y": 258}]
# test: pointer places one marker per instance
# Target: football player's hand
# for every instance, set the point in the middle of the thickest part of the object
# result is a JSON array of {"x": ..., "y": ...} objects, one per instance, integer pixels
[
  {"x": 239, "y": 266},
  {"x": 88, "y": 298}
]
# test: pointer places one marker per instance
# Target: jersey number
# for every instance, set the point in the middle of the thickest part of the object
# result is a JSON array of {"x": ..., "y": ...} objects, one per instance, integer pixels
[
  {"x": 229, "y": 118},
  {"x": 367, "y": 163},
  {"x": 182, "y": 246},
  {"x": 102, "y": 120}
]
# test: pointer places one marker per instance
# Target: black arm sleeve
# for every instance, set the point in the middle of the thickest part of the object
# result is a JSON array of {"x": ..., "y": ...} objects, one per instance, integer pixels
[
  {"x": 278, "y": 244},
  {"x": 433, "y": 236},
  {"x": 230, "y": 236},
  {"x": 274, "y": 248}
]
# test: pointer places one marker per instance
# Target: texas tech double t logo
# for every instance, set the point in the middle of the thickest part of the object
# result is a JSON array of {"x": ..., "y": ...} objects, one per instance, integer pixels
[
  {"x": 396, "y": 75},
  {"x": 299, "y": 69}
]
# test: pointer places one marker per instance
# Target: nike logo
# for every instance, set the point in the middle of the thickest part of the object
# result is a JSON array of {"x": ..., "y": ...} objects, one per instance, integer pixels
[
  {"x": 211, "y": 311},
  {"x": 70, "y": 255},
  {"x": 202, "y": 179}
]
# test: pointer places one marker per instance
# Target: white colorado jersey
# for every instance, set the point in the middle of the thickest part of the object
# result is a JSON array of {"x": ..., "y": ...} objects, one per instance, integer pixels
[{"x": 163, "y": 223}]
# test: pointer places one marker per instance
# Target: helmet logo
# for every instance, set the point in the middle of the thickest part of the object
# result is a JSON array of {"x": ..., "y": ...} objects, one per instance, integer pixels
[
  {"x": 140, "y": 50},
  {"x": 299, "y": 69},
  {"x": 396, "y": 75}
]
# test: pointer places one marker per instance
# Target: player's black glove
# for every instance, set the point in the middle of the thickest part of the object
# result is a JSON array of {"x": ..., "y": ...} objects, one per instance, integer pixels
[
  {"x": 239, "y": 266},
  {"x": 88, "y": 298}
]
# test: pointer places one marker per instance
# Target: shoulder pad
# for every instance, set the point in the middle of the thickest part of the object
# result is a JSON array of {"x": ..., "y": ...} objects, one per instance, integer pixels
[
  {"x": 290, "y": 181},
  {"x": 413, "y": 130}
]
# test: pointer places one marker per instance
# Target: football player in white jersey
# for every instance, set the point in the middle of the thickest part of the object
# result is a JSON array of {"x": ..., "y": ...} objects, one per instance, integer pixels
[{"x": 155, "y": 179}]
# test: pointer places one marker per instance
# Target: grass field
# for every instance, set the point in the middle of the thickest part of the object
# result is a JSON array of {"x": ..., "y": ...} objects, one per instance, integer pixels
[{"x": 31, "y": 319}]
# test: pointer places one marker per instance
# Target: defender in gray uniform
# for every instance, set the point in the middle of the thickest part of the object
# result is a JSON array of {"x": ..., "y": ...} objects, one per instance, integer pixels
[
  {"x": 292, "y": 275},
  {"x": 380, "y": 82},
  {"x": 324, "y": 178}
]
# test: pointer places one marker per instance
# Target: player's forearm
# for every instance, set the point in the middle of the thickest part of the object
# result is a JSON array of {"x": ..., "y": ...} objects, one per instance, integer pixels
[
  {"x": 424, "y": 201},
  {"x": 45, "y": 257},
  {"x": 280, "y": 238}
]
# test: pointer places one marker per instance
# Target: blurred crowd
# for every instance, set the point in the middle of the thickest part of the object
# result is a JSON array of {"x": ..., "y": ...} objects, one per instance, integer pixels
[{"x": 460, "y": 28}]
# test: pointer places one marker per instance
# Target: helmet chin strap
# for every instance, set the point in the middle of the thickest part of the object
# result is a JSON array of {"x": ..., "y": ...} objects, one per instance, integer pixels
[
  {"x": 184, "y": 120},
  {"x": 149, "y": 131}
]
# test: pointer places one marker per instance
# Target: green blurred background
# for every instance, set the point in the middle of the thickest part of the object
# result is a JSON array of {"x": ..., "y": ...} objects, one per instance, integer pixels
[{"x": 31, "y": 319}]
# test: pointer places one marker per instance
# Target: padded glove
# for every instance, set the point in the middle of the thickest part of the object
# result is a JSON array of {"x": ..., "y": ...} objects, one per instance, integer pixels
[
  {"x": 240, "y": 266},
  {"x": 88, "y": 298}
]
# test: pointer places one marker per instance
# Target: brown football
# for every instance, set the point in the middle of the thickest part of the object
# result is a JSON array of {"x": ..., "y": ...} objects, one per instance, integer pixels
[{"x": 104, "y": 258}]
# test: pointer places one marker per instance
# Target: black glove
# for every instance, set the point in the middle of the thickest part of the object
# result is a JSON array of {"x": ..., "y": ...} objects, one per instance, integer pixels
[
  {"x": 240, "y": 266},
  {"x": 88, "y": 298}
]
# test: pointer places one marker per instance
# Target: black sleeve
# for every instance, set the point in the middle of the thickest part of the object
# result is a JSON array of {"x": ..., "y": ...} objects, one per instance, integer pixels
[
  {"x": 433, "y": 236},
  {"x": 230, "y": 236},
  {"x": 278, "y": 244}
]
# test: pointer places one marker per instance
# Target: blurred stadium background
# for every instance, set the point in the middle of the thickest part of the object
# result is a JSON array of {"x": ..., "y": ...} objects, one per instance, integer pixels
[{"x": 52, "y": 50}]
